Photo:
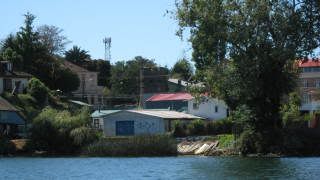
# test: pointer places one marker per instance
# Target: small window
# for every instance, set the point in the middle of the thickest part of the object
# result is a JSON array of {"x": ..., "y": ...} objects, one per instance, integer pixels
[
  {"x": 195, "y": 106},
  {"x": 96, "y": 123},
  {"x": 318, "y": 83},
  {"x": 306, "y": 98},
  {"x": 216, "y": 109},
  {"x": 305, "y": 83}
]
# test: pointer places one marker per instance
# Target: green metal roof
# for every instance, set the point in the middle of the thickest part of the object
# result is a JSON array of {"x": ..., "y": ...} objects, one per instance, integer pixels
[{"x": 102, "y": 113}]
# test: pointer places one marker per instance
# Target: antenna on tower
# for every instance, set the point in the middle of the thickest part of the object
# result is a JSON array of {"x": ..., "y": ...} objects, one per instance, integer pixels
[{"x": 107, "y": 47}]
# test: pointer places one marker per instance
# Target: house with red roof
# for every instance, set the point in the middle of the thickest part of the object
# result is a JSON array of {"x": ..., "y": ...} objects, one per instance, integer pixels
[
  {"x": 206, "y": 107},
  {"x": 309, "y": 84},
  {"x": 173, "y": 101}
]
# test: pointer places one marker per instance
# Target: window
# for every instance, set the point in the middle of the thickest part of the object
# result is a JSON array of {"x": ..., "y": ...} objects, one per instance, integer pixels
[
  {"x": 305, "y": 83},
  {"x": 216, "y": 109},
  {"x": 318, "y": 83},
  {"x": 7, "y": 83},
  {"x": 195, "y": 106},
  {"x": 96, "y": 123},
  {"x": 306, "y": 98}
]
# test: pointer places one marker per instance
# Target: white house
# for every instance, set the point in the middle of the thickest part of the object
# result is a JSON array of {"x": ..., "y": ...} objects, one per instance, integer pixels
[
  {"x": 209, "y": 108},
  {"x": 137, "y": 122},
  {"x": 11, "y": 80}
]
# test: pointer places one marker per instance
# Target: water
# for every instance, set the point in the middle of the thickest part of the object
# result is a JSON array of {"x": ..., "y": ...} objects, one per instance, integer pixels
[{"x": 160, "y": 168}]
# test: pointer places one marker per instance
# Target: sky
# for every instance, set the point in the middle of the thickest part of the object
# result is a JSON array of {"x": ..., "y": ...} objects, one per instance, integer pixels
[{"x": 137, "y": 27}]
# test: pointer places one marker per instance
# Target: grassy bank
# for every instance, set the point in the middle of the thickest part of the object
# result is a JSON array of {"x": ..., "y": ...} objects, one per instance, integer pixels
[{"x": 151, "y": 145}]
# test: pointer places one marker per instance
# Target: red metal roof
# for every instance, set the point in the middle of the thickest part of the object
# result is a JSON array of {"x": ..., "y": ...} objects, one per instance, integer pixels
[
  {"x": 170, "y": 97},
  {"x": 309, "y": 63}
]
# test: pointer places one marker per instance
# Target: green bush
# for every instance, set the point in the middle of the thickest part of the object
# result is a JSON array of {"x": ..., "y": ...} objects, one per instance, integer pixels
[
  {"x": 60, "y": 131},
  {"x": 6, "y": 146},
  {"x": 83, "y": 136},
  {"x": 146, "y": 145},
  {"x": 248, "y": 142},
  {"x": 223, "y": 126},
  {"x": 38, "y": 90},
  {"x": 179, "y": 129},
  {"x": 197, "y": 127}
]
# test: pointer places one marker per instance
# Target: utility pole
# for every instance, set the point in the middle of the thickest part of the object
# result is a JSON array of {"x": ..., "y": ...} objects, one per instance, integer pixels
[{"x": 141, "y": 86}]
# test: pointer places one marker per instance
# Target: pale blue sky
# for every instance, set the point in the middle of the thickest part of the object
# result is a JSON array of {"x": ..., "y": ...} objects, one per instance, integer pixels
[{"x": 137, "y": 27}]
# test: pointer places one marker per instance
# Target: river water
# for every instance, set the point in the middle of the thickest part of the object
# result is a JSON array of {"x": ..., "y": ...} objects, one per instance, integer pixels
[{"x": 160, "y": 168}]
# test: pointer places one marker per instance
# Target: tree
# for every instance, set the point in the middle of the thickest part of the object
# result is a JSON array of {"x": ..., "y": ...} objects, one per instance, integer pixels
[
  {"x": 125, "y": 77},
  {"x": 13, "y": 57},
  {"x": 66, "y": 80},
  {"x": 76, "y": 55},
  {"x": 182, "y": 69},
  {"x": 247, "y": 49},
  {"x": 102, "y": 67},
  {"x": 51, "y": 38},
  {"x": 28, "y": 44}
]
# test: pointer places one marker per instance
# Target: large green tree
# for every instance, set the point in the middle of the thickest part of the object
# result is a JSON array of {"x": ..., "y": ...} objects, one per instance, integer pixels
[
  {"x": 245, "y": 51},
  {"x": 125, "y": 77},
  {"x": 182, "y": 69},
  {"x": 29, "y": 52}
]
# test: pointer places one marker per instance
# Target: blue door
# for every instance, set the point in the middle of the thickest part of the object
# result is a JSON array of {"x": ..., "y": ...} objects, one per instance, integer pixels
[{"x": 124, "y": 128}]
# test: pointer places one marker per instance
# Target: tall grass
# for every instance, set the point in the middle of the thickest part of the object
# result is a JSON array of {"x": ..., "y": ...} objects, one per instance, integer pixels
[{"x": 145, "y": 145}]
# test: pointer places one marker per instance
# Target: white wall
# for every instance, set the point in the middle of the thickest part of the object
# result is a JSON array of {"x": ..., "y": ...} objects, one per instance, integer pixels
[
  {"x": 207, "y": 108},
  {"x": 100, "y": 122},
  {"x": 23, "y": 84},
  {"x": 143, "y": 124}
]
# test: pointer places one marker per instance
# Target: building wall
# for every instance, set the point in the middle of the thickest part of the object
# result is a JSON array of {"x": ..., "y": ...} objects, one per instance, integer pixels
[
  {"x": 207, "y": 108},
  {"x": 309, "y": 84},
  {"x": 23, "y": 83},
  {"x": 143, "y": 124},
  {"x": 100, "y": 120}
]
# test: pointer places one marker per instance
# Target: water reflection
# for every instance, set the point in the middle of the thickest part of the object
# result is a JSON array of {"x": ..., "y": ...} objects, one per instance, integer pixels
[
  {"x": 257, "y": 168},
  {"x": 160, "y": 168}
]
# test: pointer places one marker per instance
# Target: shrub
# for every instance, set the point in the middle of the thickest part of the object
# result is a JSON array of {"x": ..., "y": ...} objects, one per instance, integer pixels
[
  {"x": 179, "y": 129},
  {"x": 226, "y": 140},
  {"x": 197, "y": 127},
  {"x": 145, "y": 145},
  {"x": 247, "y": 142},
  {"x": 83, "y": 136},
  {"x": 6, "y": 146},
  {"x": 223, "y": 126},
  {"x": 60, "y": 131},
  {"x": 38, "y": 90}
]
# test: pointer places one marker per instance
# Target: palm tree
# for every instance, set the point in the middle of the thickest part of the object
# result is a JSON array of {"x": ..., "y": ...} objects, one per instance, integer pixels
[{"x": 76, "y": 55}]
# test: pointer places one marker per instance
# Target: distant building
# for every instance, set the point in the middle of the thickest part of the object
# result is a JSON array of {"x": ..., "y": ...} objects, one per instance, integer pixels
[
  {"x": 88, "y": 90},
  {"x": 137, "y": 122},
  {"x": 206, "y": 107},
  {"x": 209, "y": 108},
  {"x": 309, "y": 84},
  {"x": 11, "y": 80},
  {"x": 10, "y": 119},
  {"x": 172, "y": 101}
]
